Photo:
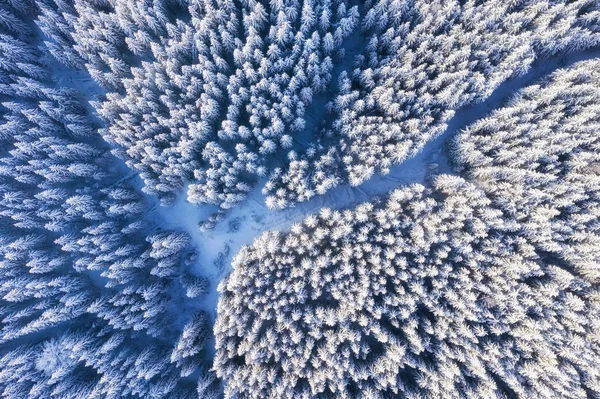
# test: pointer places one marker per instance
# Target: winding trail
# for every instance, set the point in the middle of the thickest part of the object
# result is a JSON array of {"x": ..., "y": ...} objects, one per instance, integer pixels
[{"x": 251, "y": 217}]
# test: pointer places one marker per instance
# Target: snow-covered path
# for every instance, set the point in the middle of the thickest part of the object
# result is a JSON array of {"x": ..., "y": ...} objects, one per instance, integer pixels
[{"x": 251, "y": 217}]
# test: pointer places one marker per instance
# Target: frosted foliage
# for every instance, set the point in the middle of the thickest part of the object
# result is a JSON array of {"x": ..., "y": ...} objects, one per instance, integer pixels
[
  {"x": 434, "y": 294},
  {"x": 477, "y": 288},
  {"x": 538, "y": 159},
  {"x": 423, "y": 60},
  {"x": 203, "y": 91},
  {"x": 55, "y": 355},
  {"x": 87, "y": 277},
  {"x": 190, "y": 344},
  {"x": 209, "y": 94},
  {"x": 480, "y": 285}
]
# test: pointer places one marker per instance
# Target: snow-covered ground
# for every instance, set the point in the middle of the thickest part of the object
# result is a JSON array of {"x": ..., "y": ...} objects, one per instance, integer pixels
[{"x": 251, "y": 218}]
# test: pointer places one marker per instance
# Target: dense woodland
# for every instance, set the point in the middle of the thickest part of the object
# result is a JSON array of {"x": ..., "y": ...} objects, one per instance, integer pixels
[
  {"x": 217, "y": 95},
  {"x": 204, "y": 92},
  {"x": 423, "y": 60},
  {"x": 481, "y": 282},
  {"x": 482, "y": 286},
  {"x": 88, "y": 284}
]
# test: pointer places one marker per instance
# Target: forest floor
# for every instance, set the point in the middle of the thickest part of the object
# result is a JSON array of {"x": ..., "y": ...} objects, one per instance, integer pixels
[{"x": 251, "y": 218}]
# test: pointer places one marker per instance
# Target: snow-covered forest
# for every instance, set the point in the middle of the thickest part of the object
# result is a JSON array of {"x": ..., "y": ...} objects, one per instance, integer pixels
[
  {"x": 91, "y": 288},
  {"x": 480, "y": 286},
  {"x": 299, "y": 199}
]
